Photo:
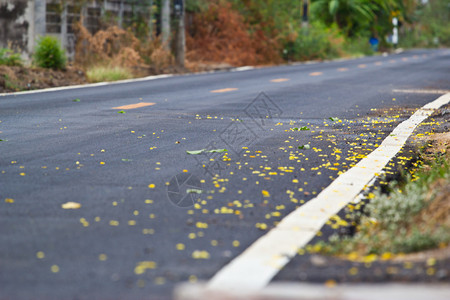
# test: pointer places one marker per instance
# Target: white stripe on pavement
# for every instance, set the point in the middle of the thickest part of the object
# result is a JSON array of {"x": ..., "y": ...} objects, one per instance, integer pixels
[
  {"x": 73, "y": 87},
  {"x": 417, "y": 91},
  {"x": 258, "y": 264}
]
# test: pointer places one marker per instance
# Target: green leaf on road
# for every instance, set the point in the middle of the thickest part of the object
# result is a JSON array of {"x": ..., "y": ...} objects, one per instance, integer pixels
[
  {"x": 198, "y": 152},
  {"x": 126, "y": 159},
  {"x": 76, "y": 100},
  {"x": 217, "y": 151},
  {"x": 3, "y": 140},
  {"x": 301, "y": 128},
  {"x": 194, "y": 191},
  {"x": 334, "y": 119},
  {"x": 306, "y": 147},
  {"x": 121, "y": 112}
]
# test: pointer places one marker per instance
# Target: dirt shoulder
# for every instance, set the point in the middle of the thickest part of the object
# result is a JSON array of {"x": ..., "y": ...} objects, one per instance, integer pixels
[{"x": 15, "y": 79}]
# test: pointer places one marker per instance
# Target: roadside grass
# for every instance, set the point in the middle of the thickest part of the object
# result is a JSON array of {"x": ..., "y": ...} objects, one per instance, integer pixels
[
  {"x": 10, "y": 58},
  {"x": 107, "y": 73},
  {"x": 414, "y": 216}
]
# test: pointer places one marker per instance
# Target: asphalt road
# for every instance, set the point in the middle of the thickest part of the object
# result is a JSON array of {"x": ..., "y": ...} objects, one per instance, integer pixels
[{"x": 137, "y": 233}]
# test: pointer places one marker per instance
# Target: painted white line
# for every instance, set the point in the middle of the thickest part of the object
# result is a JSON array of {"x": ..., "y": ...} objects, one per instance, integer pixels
[
  {"x": 315, "y": 291},
  {"x": 70, "y": 87},
  {"x": 417, "y": 91},
  {"x": 148, "y": 78},
  {"x": 258, "y": 264},
  {"x": 241, "y": 69}
]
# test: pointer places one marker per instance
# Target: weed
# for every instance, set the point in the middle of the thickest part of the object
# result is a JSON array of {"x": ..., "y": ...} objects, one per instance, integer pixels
[
  {"x": 9, "y": 58},
  {"x": 102, "y": 73}
]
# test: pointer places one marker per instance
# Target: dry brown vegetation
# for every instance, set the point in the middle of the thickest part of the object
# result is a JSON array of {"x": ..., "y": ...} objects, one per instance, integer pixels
[
  {"x": 118, "y": 47},
  {"x": 220, "y": 35}
]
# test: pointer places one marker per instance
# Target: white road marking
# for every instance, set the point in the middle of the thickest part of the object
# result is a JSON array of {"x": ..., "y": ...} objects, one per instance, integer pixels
[
  {"x": 70, "y": 87},
  {"x": 241, "y": 69},
  {"x": 55, "y": 89},
  {"x": 258, "y": 264},
  {"x": 417, "y": 91}
]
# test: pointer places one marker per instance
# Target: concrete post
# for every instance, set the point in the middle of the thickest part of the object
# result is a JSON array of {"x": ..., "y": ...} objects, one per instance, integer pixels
[
  {"x": 165, "y": 23},
  {"x": 121, "y": 14},
  {"x": 64, "y": 40},
  {"x": 40, "y": 10}
]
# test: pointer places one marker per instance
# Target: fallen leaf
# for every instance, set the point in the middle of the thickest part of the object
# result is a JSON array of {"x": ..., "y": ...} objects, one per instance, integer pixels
[
  {"x": 334, "y": 119},
  {"x": 194, "y": 191},
  {"x": 71, "y": 205},
  {"x": 76, "y": 100},
  {"x": 265, "y": 193},
  {"x": 307, "y": 147},
  {"x": 198, "y": 152},
  {"x": 121, "y": 112}
]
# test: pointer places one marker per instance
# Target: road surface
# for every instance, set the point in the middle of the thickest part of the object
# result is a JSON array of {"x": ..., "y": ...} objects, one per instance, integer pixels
[{"x": 100, "y": 200}]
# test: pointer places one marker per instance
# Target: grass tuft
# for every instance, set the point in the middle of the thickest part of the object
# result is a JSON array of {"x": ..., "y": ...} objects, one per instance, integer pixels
[{"x": 102, "y": 73}]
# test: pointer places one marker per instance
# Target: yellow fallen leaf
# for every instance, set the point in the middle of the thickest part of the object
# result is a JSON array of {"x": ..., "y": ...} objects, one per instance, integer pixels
[
  {"x": 71, "y": 205},
  {"x": 265, "y": 193}
]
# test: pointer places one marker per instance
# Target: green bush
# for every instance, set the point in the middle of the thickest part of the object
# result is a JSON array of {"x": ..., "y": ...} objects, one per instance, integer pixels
[
  {"x": 315, "y": 42},
  {"x": 9, "y": 58},
  {"x": 359, "y": 46},
  {"x": 49, "y": 53}
]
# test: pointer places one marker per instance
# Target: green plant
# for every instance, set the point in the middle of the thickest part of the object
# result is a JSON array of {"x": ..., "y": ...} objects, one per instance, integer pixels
[
  {"x": 359, "y": 46},
  {"x": 315, "y": 42},
  {"x": 102, "y": 73},
  {"x": 49, "y": 53},
  {"x": 10, "y": 84},
  {"x": 414, "y": 216},
  {"x": 9, "y": 58}
]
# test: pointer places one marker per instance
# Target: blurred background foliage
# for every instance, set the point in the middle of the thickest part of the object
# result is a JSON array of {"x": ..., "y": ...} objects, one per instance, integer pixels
[
  {"x": 336, "y": 27},
  {"x": 248, "y": 32}
]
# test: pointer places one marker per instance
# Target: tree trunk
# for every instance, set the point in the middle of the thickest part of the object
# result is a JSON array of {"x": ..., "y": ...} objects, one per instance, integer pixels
[{"x": 165, "y": 23}]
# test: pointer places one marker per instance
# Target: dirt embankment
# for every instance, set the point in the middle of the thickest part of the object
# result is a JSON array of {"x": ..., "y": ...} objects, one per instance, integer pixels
[{"x": 14, "y": 79}]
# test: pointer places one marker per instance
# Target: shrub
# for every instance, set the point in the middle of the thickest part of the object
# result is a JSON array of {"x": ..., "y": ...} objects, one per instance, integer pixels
[
  {"x": 359, "y": 46},
  {"x": 108, "y": 73},
  {"x": 314, "y": 42},
  {"x": 9, "y": 58},
  {"x": 49, "y": 53}
]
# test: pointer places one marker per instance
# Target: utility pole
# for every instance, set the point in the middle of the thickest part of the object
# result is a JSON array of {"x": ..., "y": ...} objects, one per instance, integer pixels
[
  {"x": 181, "y": 35},
  {"x": 165, "y": 23},
  {"x": 305, "y": 10}
]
